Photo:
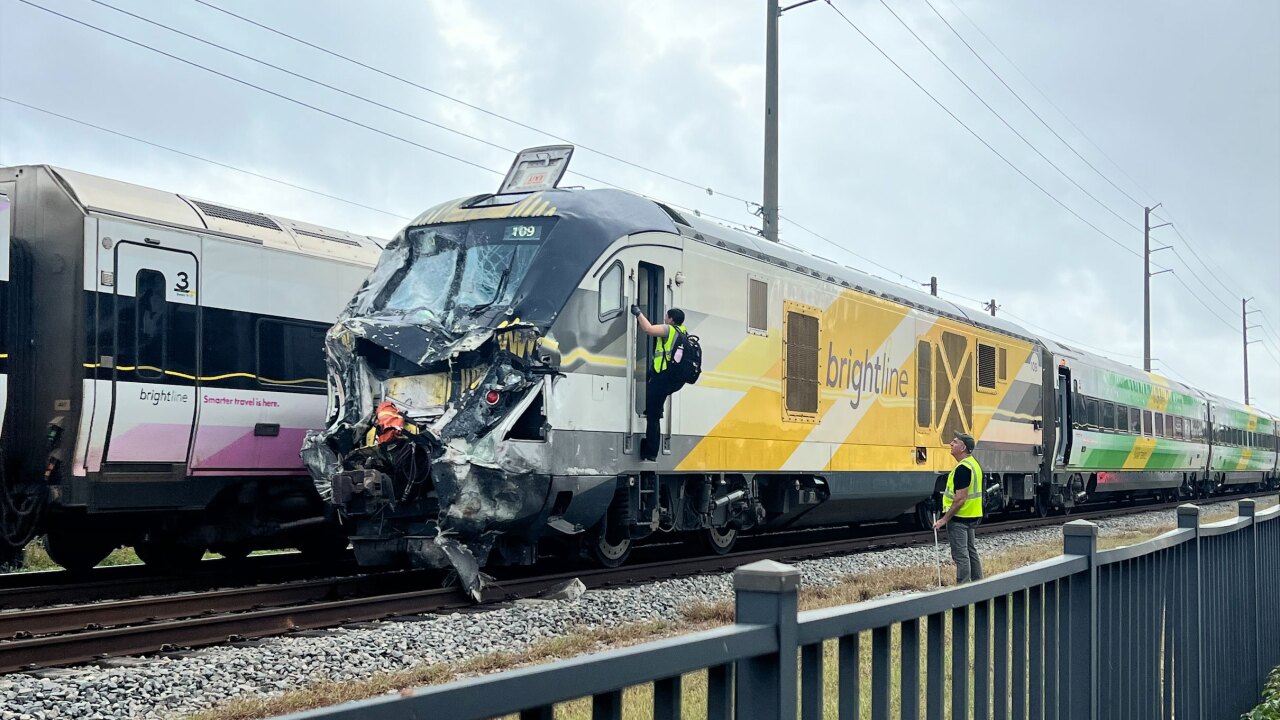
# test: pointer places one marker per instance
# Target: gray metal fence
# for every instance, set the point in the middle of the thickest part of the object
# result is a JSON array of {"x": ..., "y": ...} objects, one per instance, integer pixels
[{"x": 1185, "y": 625}]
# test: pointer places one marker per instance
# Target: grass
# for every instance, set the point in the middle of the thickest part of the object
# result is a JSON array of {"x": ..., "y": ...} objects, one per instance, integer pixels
[
  {"x": 322, "y": 694},
  {"x": 36, "y": 558},
  {"x": 638, "y": 700}
]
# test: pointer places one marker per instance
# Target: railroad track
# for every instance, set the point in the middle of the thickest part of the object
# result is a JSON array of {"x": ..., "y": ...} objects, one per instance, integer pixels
[
  {"x": 49, "y": 587},
  {"x": 80, "y": 633}
]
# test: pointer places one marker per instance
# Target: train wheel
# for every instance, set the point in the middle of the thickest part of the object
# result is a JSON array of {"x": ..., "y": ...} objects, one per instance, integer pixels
[
  {"x": 1043, "y": 506},
  {"x": 168, "y": 556},
  {"x": 76, "y": 552},
  {"x": 607, "y": 545},
  {"x": 719, "y": 540},
  {"x": 924, "y": 515}
]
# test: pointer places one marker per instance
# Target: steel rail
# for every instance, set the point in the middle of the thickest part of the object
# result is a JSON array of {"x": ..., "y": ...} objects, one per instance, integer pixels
[
  {"x": 319, "y": 612},
  {"x": 36, "y": 589}
]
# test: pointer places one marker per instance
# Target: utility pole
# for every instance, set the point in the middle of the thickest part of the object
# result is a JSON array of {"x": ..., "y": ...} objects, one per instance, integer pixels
[
  {"x": 991, "y": 307},
  {"x": 1245, "y": 327},
  {"x": 769, "y": 208},
  {"x": 932, "y": 285},
  {"x": 1146, "y": 283}
]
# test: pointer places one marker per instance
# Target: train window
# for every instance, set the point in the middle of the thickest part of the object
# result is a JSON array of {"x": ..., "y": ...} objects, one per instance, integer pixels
[
  {"x": 1003, "y": 364},
  {"x": 924, "y": 384},
  {"x": 291, "y": 354},
  {"x": 1197, "y": 429},
  {"x": 1092, "y": 413},
  {"x": 1135, "y": 421},
  {"x": 800, "y": 364},
  {"x": 1108, "y": 415},
  {"x": 1077, "y": 410},
  {"x": 611, "y": 292},
  {"x": 1159, "y": 425},
  {"x": 757, "y": 307},
  {"x": 987, "y": 367},
  {"x": 150, "y": 324},
  {"x": 1178, "y": 432},
  {"x": 1147, "y": 427}
]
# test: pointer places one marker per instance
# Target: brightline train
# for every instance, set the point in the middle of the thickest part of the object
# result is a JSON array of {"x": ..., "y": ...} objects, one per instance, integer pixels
[
  {"x": 162, "y": 359},
  {"x": 487, "y": 390}
]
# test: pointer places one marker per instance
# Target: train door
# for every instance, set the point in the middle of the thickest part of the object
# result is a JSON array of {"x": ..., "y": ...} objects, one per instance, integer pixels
[
  {"x": 5, "y": 210},
  {"x": 1065, "y": 422},
  {"x": 652, "y": 286},
  {"x": 154, "y": 385}
]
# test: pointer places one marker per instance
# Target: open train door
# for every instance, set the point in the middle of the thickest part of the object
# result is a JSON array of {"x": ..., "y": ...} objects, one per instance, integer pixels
[
  {"x": 651, "y": 283},
  {"x": 155, "y": 389},
  {"x": 1065, "y": 423}
]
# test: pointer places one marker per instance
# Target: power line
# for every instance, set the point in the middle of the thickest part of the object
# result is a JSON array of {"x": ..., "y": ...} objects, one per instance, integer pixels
[
  {"x": 464, "y": 103},
  {"x": 1027, "y": 106},
  {"x": 971, "y": 131},
  {"x": 295, "y": 101},
  {"x": 1185, "y": 241},
  {"x": 1066, "y": 340},
  {"x": 838, "y": 246},
  {"x": 303, "y": 77},
  {"x": 1053, "y": 105},
  {"x": 248, "y": 84},
  {"x": 1001, "y": 118},
  {"x": 278, "y": 181},
  {"x": 1200, "y": 280},
  {"x": 1230, "y": 325}
]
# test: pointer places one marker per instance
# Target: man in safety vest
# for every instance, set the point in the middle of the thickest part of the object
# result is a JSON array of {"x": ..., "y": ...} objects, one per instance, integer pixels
[
  {"x": 661, "y": 383},
  {"x": 962, "y": 509}
]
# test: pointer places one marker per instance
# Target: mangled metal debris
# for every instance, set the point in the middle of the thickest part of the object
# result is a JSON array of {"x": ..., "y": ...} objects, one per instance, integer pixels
[{"x": 432, "y": 340}]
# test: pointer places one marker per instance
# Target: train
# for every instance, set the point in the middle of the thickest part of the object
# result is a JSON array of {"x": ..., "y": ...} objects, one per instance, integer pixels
[
  {"x": 162, "y": 359},
  {"x": 487, "y": 392}
]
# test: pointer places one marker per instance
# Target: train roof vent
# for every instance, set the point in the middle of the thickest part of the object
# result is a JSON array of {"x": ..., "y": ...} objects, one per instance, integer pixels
[
  {"x": 331, "y": 238},
  {"x": 240, "y": 216}
]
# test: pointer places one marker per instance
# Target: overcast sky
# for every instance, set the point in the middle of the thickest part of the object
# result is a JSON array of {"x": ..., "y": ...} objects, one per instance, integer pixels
[{"x": 1173, "y": 101}]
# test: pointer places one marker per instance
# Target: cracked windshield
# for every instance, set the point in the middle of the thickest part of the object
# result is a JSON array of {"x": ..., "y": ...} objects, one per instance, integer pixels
[{"x": 455, "y": 270}]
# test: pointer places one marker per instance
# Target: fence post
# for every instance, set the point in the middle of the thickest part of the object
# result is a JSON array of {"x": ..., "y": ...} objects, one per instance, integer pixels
[
  {"x": 1192, "y": 638},
  {"x": 1080, "y": 537},
  {"x": 1249, "y": 508},
  {"x": 767, "y": 594}
]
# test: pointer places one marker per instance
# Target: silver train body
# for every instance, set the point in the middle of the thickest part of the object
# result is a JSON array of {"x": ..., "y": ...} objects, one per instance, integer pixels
[{"x": 163, "y": 360}]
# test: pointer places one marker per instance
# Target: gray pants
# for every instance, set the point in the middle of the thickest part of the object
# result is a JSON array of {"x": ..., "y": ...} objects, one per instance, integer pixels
[{"x": 964, "y": 549}]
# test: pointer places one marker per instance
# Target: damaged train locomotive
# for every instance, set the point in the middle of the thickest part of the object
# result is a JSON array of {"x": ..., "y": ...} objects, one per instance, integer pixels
[{"x": 486, "y": 389}]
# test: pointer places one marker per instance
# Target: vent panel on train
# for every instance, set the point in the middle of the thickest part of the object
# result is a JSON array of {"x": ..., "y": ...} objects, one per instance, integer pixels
[{"x": 240, "y": 216}]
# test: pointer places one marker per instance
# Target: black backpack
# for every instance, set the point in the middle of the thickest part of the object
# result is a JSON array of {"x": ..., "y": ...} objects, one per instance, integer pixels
[{"x": 689, "y": 366}]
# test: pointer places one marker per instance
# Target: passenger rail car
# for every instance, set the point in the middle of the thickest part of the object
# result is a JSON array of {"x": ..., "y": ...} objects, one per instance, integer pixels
[
  {"x": 164, "y": 360},
  {"x": 488, "y": 392}
]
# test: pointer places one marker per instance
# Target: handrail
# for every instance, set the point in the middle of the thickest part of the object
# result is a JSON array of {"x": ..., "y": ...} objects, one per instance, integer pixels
[
  {"x": 818, "y": 625},
  {"x": 1225, "y": 527},
  {"x": 1154, "y": 545},
  {"x": 584, "y": 676}
]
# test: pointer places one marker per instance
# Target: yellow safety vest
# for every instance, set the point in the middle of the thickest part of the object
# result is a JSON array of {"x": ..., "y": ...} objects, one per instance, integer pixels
[
  {"x": 660, "y": 359},
  {"x": 972, "y": 507}
]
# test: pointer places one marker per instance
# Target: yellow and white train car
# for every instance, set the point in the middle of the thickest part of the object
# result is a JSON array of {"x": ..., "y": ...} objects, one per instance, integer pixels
[{"x": 488, "y": 384}]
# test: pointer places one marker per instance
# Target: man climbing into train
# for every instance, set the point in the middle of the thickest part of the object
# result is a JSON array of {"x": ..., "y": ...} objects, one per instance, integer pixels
[
  {"x": 962, "y": 509},
  {"x": 662, "y": 381}
]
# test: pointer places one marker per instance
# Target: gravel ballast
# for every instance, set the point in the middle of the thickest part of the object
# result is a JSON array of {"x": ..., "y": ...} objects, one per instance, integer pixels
[{"x": 168, "y": 687}]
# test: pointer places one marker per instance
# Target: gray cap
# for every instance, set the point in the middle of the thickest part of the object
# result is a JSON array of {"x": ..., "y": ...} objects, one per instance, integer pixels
[{"x": 968, "y": 440}]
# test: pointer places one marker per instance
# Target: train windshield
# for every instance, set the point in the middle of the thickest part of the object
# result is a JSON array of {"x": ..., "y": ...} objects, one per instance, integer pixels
[{"x": 459, "y": 269}]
